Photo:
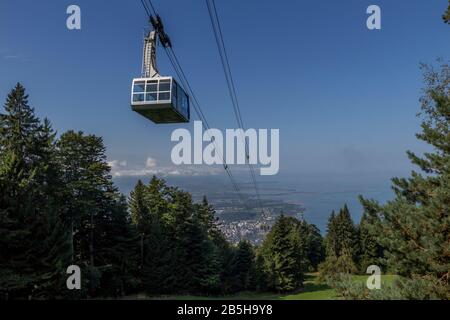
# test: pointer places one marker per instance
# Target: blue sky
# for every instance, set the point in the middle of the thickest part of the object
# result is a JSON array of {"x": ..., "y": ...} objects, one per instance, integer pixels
[{"x": 343, "y": 97}]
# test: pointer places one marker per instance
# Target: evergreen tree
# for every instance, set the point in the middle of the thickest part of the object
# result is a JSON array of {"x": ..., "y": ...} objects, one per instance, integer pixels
[
  {"x": 140, "y": 215},
  {"x": 332, "y": 244},
  {"x": 347, "y": 233},
  {"x": 314, "y": 246},
  {"x": 59, "y": 206},
  {"x": 414, "y": 227},
  {"x": 283, "y": 257},
  {"x": 342, "y": 247},
  {"x": 446, "y": 15},
  {"x": 184, "y": 250},
  {"x": 201, "y": 266},
  {"x": 54, "y": 253},
  {"x": 342, "y": 234},
  {"x": 225, "y": 254},
  {"x": 33, "y": 237},
  {"x": 221, "y": 252},
  {"x": 93, "y": 207},
  {"x": 158, "y": 276},
  {"x": 207, "y": 216},
  {"x": 160, "y": 200},
  {"x": 197, "y": 264},
  {"x": 243, "y": 268},
  {"x": 120, "y": 252},
  {"x": 261, "y": 277},
  {"x": 371, "y": 252},
  {"x": 149, "y": 206},
  {"x": 138, "y": 207}
]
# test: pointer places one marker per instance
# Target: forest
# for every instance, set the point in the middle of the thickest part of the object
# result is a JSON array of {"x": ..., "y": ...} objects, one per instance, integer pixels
[{"x": 60, "y": 207}]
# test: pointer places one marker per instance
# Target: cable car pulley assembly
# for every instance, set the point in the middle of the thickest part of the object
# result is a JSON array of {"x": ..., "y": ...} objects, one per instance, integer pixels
[{"x": 158, "y": 98}]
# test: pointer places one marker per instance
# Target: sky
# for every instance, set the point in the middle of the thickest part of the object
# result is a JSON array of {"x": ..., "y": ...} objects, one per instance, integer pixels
[{"x": 344, "y": 98}]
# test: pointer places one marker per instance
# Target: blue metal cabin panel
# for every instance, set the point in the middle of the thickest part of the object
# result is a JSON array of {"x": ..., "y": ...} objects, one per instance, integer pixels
[{"x": 180, "y": 100}]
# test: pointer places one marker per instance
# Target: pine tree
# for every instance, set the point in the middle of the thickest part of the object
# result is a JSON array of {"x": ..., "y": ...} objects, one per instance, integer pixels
[
  {"x": 370, "y": 251},
  {"x": 140, "y": 215},
  {"x": 207, "y": 216},
  {"x": 261, "y": 275},
  {"x": 19, "y": 126},
  {"x": 201, "y": 265},
  {"x": 342, "y": 247},
  {"x": 332, "y": 244},
  {"x": 342, "y": 234},
  {"x": 120, "y": 254},
  {"x": 158, "y": 276},
  {"x": 414, "y": 227},
  {"x": 33, "y": 238},
  {"x": 283, "y": 260},
  {"x": 159, "y": 200},
  {"x": 446, "y": 15},
  {"x": 149, "y": 206},
  {"x": 243, "y": 268},
  {"x": 92, "y": 201},
  {"x": 314, "y": 246},
  {"x": 138, "y": 207},
  {"x": 347, "y": 233},
  {"x": 197, "y": 266},
  {"x": 225, "y": 254},
  {"x": 54, "y": 253},
  {"x": 184, "y": 249},
  {"x": 59, "y": 206}
]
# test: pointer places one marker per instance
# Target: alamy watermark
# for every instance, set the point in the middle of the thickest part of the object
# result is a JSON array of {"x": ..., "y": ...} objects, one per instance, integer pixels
[
  {"x": 73, "y": 22},
  {"x": 242, "y": 147},
  {"x": 374, "y": 281},
  {"x": 74, "y": 280},
  {"x": 374, "y": 20}
]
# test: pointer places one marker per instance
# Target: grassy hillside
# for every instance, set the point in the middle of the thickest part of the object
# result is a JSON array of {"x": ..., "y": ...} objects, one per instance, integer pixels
[{"x": 313, "y": 290}]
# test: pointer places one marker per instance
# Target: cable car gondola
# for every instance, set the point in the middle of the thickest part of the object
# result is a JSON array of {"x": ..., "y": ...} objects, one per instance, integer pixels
[{"x": 158, "y": 98}]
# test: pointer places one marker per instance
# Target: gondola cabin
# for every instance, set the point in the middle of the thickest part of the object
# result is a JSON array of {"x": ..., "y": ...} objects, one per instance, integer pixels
[{"x": 160, "y": 99}]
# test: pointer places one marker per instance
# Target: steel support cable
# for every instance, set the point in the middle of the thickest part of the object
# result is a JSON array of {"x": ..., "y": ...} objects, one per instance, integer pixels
[
  {"x": 218, "y": 35},
  {"x": 144, "y": 4},
  {"x": 215, "y": 22},
  {"x": 181, "y": 75}
]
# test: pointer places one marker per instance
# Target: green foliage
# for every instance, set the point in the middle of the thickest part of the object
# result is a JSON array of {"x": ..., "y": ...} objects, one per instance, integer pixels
[
  {"x": 334, "y": 267},
  {"x": 422, "y": 287},
  {"x": 243, "y": 268},
  {"x": 350, "y": 249},
  {"x": 414, "y": 228},
  {"x": 371, "y": 252},
  {"x": 342, "y": 234},
  {"x": 58, "y": 207},
  {"x": 349, "y": 288},
  {"x": 33, "y": 239},
  {"x": 102, "y": 236},
  {"x": 138, "y": 209},
  {"x": 446, "y": 15},
  {"x": 284, "y": 255},
  {"x": 183, "y": 249},
  {"x": 314, "y": 245},
  {"x": 345, "y": 263},
  {"x": 342, "y": 247},
  {"x": 119, "y": 252}
]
